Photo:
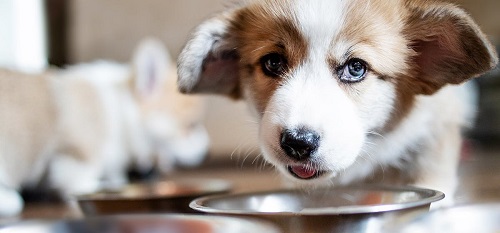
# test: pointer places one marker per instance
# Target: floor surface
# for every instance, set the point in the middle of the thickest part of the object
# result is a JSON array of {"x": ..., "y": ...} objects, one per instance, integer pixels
[{"x": 479, "y": 174}]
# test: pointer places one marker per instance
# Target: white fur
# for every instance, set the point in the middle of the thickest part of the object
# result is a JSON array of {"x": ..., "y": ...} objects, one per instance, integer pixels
[
  {"x": 315, "y": 104},
  {"x": 311, "y": 18},
  {"x": 198, "y": 50},
  {"x": 352, "y": 119}
]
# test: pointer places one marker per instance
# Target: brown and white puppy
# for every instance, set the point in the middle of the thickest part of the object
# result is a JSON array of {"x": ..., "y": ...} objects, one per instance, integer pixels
[
  {"x": 82, "y": 127},
  {"x": 344, "y": 89}
]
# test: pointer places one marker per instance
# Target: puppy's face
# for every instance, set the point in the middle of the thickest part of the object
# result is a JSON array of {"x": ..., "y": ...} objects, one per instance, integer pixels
[
  {"x": 172, "y": 122},
  {"x": 318, "y": 75},
  {"x": 323, "y": 75}
]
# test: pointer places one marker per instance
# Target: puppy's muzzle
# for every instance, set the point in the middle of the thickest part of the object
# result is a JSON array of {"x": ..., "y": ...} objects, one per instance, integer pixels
[{"x": 299, "y": 144}]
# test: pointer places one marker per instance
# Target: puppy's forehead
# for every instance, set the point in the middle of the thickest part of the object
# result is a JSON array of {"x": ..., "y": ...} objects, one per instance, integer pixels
[
  {"x": 315, "y": 21},
  {"x": 336, "y": 28},
  {"x": 319, "y": 20}
]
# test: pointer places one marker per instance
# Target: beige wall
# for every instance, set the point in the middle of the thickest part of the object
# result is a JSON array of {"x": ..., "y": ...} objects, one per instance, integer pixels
[
  {"x": 486, "y": 13},
  {"x": 111, "y": 28}
]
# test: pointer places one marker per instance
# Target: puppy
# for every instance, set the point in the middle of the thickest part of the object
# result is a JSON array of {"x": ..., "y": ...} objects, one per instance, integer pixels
[
  {"x": 344, "y": 90},
  {"x": 81, "y": 128}
]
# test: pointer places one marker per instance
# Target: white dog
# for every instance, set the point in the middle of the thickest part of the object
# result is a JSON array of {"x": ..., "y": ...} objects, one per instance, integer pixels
[
  {"x": 344, "y": 89},
  {"x": 83, "y": 126}
]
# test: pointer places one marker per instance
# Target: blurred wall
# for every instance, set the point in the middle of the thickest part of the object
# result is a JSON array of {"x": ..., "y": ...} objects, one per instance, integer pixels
[{"x": 111, "y": 28}]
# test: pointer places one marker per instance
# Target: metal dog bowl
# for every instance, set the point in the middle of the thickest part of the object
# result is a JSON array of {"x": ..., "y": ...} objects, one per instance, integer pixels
[
  {"x": 145, "y": 224},
  {"x": 478, "y": 218},
  {"x": 155, "y": 197},
  {"x": 343, "y": 209}
]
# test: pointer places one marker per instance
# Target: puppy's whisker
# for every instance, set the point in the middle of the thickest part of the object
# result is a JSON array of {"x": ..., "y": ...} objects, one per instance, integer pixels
[
  {"x": 368, "y": 143},
  {"x": 369, "y": 157},
  {"x": 237, "y": 148},
  {"x": 375, "y": 134},
  {"x": 256, "y": 157},
  {"x": 243, "y": 162},
  {"x": 237, "y": 152},
  {"x": 249, "y": 152}
]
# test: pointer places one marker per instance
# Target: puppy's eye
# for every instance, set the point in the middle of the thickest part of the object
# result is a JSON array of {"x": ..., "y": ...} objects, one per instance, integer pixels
[
  {"x": 273, "y": 64},
  {"x": 353, "y": 71}
]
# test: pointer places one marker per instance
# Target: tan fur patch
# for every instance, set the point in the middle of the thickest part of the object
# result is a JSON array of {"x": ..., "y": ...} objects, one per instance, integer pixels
[
  {"x": 459, "y": 49},
  {"x": 261, "y": 29},
  {"x": 463, "y": 47},
  {"x": 367, "y": 36}
]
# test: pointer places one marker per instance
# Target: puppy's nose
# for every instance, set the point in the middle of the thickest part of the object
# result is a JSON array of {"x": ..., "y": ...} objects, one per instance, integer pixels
[{"x": 299, "y": 143}]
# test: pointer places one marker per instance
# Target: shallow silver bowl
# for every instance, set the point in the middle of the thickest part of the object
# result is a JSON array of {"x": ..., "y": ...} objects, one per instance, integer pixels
[
  {"x": 155, "y": 197},
  {"x": 145, "y": 224},
  {"x": 343, "y": 209},
  {"x": 477, "y": 218}
]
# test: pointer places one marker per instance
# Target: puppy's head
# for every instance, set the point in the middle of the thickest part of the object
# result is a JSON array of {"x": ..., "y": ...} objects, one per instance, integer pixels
[
  {"x": 171, "y": 121},
  {"x": 322, "y": 75}
]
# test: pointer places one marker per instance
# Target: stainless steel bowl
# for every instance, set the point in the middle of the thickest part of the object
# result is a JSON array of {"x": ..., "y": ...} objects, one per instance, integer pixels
[
  {"x": 478, "y": 218},
  {"x": 343, "y": 209},
  {"x": 146, "y": 224},
  {"x": 155, "y": 197}
]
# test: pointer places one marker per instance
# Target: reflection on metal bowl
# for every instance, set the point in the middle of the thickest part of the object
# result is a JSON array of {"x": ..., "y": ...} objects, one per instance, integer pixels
[
  {"x": 478, "y": 218},
  {"x": 146, "y": 224},
  {"x": 342, "y": 209},
  {"x": 155, "y": 197}
]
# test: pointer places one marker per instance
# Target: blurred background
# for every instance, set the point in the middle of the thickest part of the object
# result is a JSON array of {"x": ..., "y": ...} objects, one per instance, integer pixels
[{"x": 38, "y": 33}]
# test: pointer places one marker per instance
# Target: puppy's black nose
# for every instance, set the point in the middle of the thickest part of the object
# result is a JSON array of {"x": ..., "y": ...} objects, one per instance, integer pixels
[{"x": 299, "y": 143}]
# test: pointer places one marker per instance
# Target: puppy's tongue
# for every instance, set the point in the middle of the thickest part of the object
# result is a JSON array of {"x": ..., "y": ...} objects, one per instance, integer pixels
[{"x": 303, "y": 172}]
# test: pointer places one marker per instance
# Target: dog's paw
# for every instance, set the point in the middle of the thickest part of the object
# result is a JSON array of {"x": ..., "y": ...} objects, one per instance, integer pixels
[
  {"x": 11, "y": 203},
  {"x": 73, "y": 177}
]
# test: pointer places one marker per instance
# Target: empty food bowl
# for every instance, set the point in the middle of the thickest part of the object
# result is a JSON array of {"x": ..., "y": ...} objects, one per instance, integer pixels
[
  {"x": 171, "y": 196},
  {"x": 342, "y": 209}
]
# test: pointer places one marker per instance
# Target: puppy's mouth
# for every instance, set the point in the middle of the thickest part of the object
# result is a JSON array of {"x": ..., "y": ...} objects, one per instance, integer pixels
[{"x": 304, "y": 172}]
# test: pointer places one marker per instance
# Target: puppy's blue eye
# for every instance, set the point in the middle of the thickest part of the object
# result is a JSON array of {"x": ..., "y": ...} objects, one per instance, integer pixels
[{"x": 353, "y": 71}]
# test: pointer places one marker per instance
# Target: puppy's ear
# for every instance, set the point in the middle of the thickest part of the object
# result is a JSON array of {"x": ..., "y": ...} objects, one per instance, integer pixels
[
  {"x": 150, "y": 64},
  {"x": 450, "y": 48},
  {"x": 209, "y": 63}
]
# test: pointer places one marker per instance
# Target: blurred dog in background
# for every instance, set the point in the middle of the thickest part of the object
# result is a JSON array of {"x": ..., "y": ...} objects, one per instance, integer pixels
[{"x": 82, "y": 127}]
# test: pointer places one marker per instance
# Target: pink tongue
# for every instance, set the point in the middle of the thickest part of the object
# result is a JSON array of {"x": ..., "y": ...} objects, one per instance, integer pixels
[{"x": 303, "y": 171}]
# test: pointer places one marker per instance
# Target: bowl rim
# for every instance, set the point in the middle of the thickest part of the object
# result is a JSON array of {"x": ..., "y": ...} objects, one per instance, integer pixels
[
  {"x": 207, "y": 186},
  {"x": 431, "y": 195}
]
